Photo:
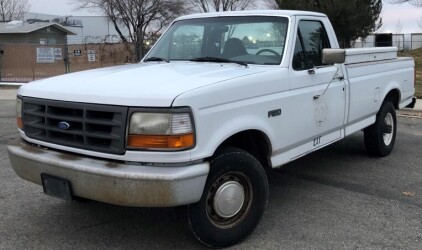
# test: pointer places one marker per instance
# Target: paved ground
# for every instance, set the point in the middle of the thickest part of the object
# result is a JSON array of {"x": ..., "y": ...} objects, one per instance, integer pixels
[
  {"x": 8, "y": 93},
  {"x": 336, "y": 198}
]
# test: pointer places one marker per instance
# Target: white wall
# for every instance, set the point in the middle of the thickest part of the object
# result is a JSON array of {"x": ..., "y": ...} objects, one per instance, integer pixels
[
  {"x": 94, "y": 29},
  {"x": 398, "y": 41},
  {"x": 416, "y": 41},
  {"x": 401, "y": 41}
]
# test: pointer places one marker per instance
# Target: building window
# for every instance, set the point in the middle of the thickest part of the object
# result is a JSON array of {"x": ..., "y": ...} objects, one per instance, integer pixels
[{"x": 51, "y": 41}]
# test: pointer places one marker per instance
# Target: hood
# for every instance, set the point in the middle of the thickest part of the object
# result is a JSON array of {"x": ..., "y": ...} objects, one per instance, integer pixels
[{"x": 144, "y": 85}]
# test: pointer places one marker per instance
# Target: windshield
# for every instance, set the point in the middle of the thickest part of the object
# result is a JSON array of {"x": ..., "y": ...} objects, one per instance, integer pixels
[{"x": 246, "y": 39}]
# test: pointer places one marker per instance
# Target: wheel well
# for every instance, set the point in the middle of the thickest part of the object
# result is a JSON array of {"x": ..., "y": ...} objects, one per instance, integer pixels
[
  {"x": 254, "y": 142},
  {"x": 394, "y": 97}
]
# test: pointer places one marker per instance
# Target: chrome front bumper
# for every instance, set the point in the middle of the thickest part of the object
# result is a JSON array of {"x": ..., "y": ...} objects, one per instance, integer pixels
[{"x": 115, "y": 183}]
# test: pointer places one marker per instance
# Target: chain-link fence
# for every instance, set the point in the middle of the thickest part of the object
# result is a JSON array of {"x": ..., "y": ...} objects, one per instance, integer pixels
[
  {"x": 91, "y": 56},
  {"x": 402, "y": 46},
  {"x": 24, "y": 63},
  {"x": 401, "y": 41},
  {"x": 416, "y": 41}
]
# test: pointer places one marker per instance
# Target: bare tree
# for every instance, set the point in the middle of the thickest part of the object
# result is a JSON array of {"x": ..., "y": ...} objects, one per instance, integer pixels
[
  {"x": 412, "y": 2},
  {"x": 417, "y": 3},
  {"x": 221, "y": 5},
  {"x": 270, "y": 4},
  {"x": 143, "y": 19},
  {"x": 398, "y": 36},
  {"x": 13, "y": 9},
  {"x": 399, "y": 27},
  {"x": 420, "y": 22}
]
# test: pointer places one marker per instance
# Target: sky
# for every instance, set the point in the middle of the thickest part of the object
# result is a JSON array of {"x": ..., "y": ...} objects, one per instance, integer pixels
[
  {"x": 405, "y": 14},
  {"x": 57, "y": 7}
]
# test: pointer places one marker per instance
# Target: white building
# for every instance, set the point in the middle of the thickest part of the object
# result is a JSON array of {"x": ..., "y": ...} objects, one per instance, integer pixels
[
  {"x": 398, "y": 40},
  {"x": 89, "y": 29}
]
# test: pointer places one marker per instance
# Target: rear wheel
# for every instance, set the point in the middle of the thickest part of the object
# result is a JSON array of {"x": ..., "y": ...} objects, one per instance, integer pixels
[
  {"x": 381, "y": 136},
  {"x": 234, "y": 199}
]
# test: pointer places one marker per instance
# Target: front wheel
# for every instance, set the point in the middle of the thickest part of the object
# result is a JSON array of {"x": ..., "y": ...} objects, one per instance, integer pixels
[
  {"x": 234, "y": 199},
  {"x": 380, "y": 137}
]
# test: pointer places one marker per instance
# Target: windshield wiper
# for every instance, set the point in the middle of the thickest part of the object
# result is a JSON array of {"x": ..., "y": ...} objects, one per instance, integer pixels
[
  {"x": 217, "y": 60},
  {"x": 156, "y": 59}
]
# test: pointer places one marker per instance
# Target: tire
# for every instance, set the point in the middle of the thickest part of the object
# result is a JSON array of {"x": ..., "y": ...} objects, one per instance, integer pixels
[
  {"x": 381, "y": 136},
  {"x": 220, "y": 218},
  {"x": 80, "y": 199}
]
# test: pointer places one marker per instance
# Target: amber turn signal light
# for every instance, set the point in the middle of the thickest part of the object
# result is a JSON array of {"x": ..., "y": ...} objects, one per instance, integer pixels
[
  {"x": 161, "y": 141},
  {"x": 19, "y": 122}
]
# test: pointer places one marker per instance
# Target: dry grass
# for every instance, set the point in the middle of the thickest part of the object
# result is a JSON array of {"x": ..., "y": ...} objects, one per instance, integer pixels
[{"x": 417, "y": 55}]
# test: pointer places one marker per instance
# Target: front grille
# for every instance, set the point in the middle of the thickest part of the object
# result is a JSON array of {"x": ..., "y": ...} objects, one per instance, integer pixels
[{"x": 85, "y": 126}]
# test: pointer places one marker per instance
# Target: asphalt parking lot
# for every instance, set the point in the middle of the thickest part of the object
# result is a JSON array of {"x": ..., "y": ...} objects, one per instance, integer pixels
[{"x": 336, "y": 198}]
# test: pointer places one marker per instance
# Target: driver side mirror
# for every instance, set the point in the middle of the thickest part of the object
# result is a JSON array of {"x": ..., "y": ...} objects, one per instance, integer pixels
[{"x": 332, "y": 56}]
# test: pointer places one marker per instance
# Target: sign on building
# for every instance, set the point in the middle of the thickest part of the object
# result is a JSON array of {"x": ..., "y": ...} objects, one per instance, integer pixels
[
  {"x": 91, "y": 55},
  {"x": 58, "y": 54},
  {"x": 77, "y": 52},
  {"x": 45, "y": 55}
]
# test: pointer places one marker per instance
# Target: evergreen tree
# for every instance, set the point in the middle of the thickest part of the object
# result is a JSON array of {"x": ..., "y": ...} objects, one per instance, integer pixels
[{"x": 351, "y": 19}]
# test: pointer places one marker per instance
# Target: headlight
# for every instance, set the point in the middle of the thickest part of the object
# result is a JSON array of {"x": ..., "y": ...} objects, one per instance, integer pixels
[
  {"x": 161, "y": 131},
  {"x": 19, "y": 121}
]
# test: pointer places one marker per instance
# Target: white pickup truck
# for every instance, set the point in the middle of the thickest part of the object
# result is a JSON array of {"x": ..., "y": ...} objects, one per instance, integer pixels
[{"x": 219, "y": 98}]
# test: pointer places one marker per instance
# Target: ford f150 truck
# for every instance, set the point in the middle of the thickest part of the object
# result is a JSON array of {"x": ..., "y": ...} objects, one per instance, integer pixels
[{"x": 219, "y": 98}]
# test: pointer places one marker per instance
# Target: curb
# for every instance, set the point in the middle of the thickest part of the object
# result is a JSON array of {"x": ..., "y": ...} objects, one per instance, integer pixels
[
  {"x": 412, "y": 113},
  {"x": 5, "y": 84},
  {"x": 10, "y": 85}
]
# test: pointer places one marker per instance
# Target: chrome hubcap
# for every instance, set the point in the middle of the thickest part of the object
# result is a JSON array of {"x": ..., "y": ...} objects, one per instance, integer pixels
[
  {"x": 388, "y": 121},
  {"x": 229, "y": 199}
]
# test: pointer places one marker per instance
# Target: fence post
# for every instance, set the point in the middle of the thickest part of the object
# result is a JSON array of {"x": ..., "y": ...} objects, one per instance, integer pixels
[
  {"x": 66, "y": 58},
  {"x": 411, "y": 42},
  {"x": 1, "y": 62}
]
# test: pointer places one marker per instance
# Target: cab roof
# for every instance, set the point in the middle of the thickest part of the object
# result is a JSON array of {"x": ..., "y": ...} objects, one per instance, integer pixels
[{"x": 284, "y": 13}]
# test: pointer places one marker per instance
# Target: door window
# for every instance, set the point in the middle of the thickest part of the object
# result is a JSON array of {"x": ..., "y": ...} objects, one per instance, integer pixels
[{"x": 311, "y": 40}]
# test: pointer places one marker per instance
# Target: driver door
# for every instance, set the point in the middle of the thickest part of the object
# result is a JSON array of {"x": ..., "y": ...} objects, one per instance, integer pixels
[{"x": 317, "y": 89}]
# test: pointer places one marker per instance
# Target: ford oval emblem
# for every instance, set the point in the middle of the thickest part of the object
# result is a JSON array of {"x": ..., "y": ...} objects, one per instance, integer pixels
[{"x": 64, "y": 125}]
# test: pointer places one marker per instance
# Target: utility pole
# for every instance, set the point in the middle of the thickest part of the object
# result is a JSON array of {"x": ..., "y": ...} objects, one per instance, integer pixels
[
  {"x": 1, "y": 51},
  {"x": 1, "y": 61},
  {"x": 2, "y": 10}
]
